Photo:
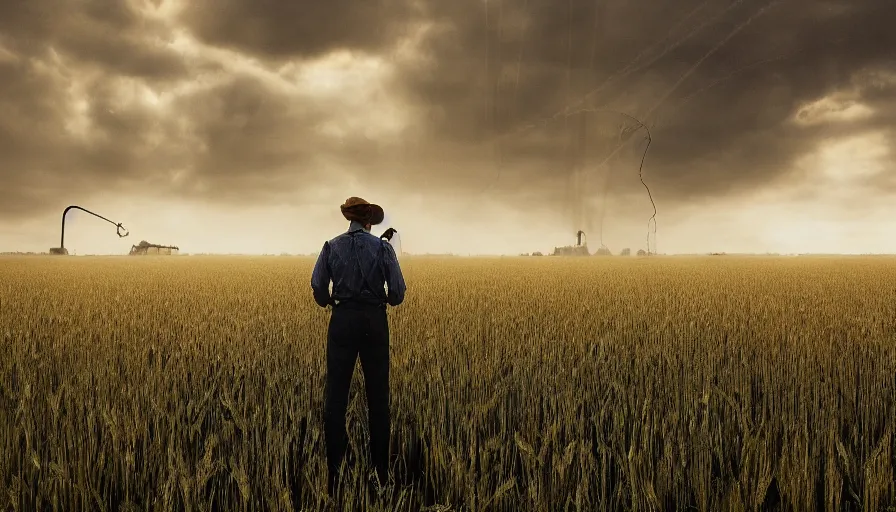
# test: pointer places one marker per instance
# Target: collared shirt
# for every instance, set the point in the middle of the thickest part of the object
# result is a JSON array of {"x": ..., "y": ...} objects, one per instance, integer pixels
[{"x": 360, "y": 265}]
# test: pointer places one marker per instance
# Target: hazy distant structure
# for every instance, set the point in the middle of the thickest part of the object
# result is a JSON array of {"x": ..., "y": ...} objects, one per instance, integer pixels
[
  {"x": 145, "y": 248},
  {"x": 642, "y": 252},
  {"x": 61, "y": 250},
  {"x": 625, "y": 252},
  {"x": 603, "y": 251},
  {"x": 580, "y": 249}
]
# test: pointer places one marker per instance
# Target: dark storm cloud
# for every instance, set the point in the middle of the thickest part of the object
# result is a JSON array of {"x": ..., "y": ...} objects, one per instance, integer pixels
[
  {"x": 486, "y": 71},
  {"x": 279, "y": 29},
  {"x": 739, "y": 130},
  {"x": 491, "y": 67},
  {"x": 32, "y": 141},
  {"x": 108, "y": 33},
  {"x": 49, "y": 46},
  {"x": 727, "y": 138},
  {"x": 231, "y": 140},
  {"x": 249, "y": 144}
]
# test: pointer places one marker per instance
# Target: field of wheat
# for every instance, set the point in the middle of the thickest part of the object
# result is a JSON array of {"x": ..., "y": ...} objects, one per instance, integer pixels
[{"x": 196, "y": 383}]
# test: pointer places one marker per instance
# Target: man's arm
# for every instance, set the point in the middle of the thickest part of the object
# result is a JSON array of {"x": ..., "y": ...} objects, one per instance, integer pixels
[
  {"x": 320, "y": 277},
  {"x": 394, "y": 279}
]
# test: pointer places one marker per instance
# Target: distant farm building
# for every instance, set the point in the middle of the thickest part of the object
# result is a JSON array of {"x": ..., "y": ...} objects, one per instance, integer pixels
[
  {"x": 626, "y": 252},
  {"x": 571, "y": 250},
  {"x": 580, "y": 249},
  {"x": 145, "y": 248}
]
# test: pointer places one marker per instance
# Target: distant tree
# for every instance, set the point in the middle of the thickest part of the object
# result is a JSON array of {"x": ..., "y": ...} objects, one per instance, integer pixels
[{"x": 642, "y": 252}]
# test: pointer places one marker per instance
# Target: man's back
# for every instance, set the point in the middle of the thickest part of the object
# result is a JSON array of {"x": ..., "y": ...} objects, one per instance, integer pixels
[{"x": 359, "y": 265}]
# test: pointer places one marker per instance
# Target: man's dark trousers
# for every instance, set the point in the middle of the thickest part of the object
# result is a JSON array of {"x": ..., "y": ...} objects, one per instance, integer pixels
[{"x": 357, "y": 329}]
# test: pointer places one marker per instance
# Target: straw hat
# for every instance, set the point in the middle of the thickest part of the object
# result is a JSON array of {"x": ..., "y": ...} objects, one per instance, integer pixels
[{"x": 357, "y": 209}]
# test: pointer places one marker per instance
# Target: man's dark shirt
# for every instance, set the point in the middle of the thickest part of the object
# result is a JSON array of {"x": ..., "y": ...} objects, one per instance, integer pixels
[{"x": 359, "y": 264}]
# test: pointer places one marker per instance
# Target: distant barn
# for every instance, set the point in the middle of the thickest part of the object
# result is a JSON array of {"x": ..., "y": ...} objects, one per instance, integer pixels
[
  {"x": 580, "y": 249},
  {"x": 145, "y": 248}
]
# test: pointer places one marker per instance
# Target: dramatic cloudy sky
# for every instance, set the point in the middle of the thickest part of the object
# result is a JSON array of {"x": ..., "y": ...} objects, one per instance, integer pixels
[{"x": 482, "y": 126}]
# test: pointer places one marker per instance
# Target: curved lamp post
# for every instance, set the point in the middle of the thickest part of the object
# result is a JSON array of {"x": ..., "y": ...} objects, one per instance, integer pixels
[{"x": 119, "y": 229}]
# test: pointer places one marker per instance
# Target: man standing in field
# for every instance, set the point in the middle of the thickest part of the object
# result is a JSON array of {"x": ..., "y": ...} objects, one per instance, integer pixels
[{"x": 360, "y": 265}]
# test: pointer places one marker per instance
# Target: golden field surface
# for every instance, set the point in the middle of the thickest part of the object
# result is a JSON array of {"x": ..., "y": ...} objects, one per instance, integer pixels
[{"x": 196, "y": 383}]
